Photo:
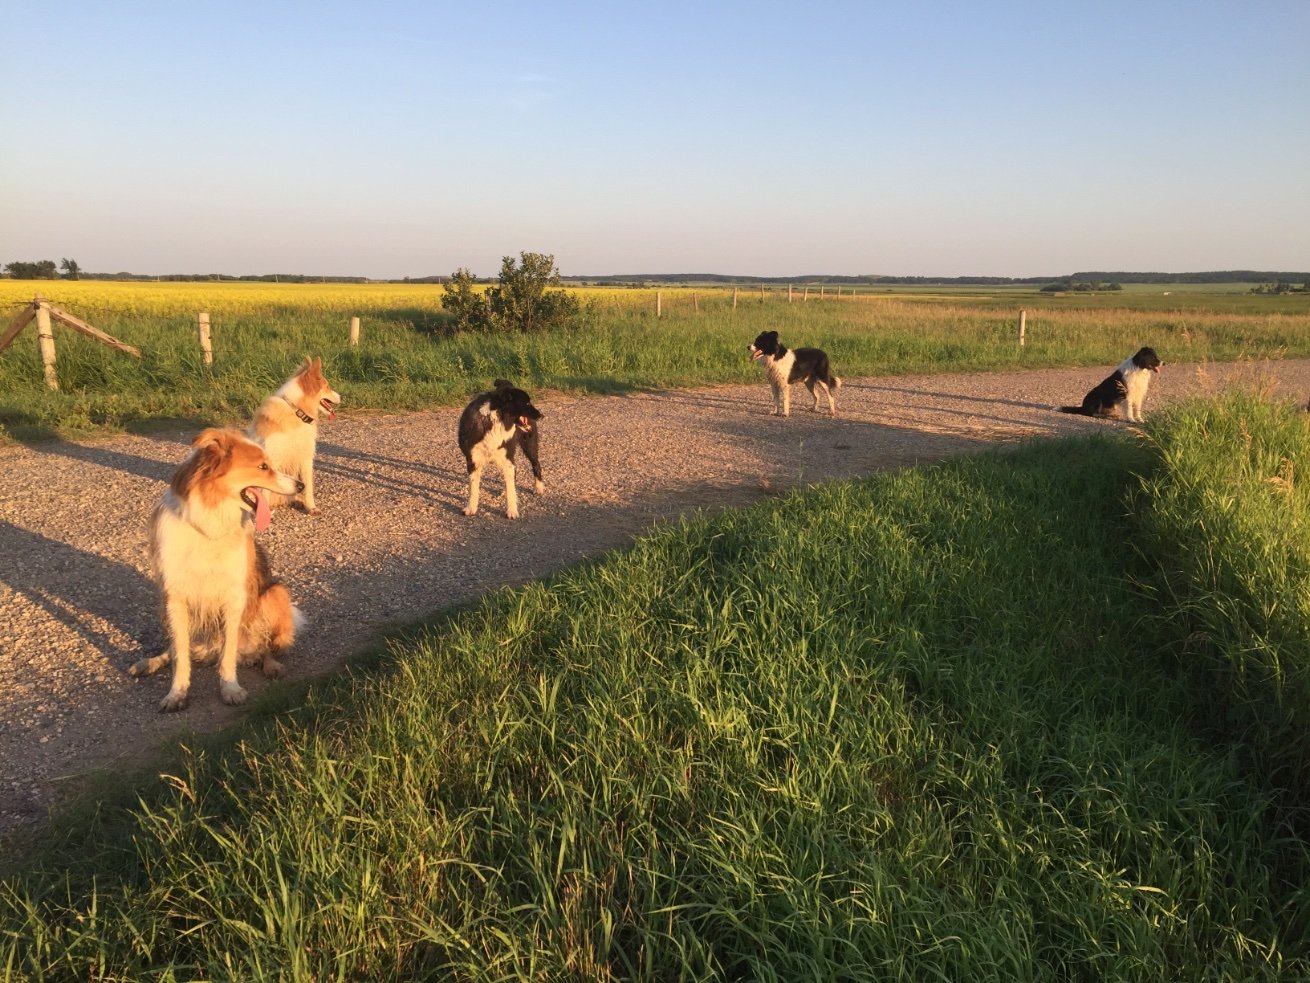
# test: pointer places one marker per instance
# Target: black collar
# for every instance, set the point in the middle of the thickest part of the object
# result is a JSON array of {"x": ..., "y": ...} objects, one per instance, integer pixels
[{"x": 305, "y": 417}]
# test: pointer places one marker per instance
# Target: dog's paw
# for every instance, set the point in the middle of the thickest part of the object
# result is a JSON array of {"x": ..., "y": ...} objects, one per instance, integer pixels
[
  {"x": 231, "y": 692},
  {"x": 511, "y": 513},
  {"x": 174, "y": 701},
  {"x": 272, "y": 668},
  {"x": 144, "y": 667},
  {"x": 470, "y": 510},
  {"x": 539, "y": 488}
]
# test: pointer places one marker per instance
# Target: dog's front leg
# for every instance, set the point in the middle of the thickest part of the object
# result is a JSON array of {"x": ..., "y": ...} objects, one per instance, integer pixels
[
  {"x": 179, "y": 630},
  {"x": 308, "y": 479},
  {"x": 786, "y": 400},
  {"x": 228, "y": 687},
  {"x": 511, "y": 491},
  {"x": 475, "y": 486}
]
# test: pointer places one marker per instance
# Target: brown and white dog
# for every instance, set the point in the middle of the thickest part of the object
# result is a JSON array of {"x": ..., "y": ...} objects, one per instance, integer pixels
[
  {"x": 287, "y": 425},
  {"x": 491, "y": 429},
  {"x": 214, "y": 581}
]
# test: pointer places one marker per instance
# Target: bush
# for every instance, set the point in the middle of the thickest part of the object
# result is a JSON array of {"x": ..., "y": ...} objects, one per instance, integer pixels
[{"x": 520, "y": 301}]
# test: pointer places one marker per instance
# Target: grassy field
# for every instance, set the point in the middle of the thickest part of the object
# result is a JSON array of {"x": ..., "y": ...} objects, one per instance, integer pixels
[
  {"x": 409, "y": 359},
  {"x": 1012, "y": 717}
]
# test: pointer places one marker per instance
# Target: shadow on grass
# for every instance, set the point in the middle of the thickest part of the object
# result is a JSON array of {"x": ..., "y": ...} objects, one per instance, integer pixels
[{"x": 427, "y": 322}]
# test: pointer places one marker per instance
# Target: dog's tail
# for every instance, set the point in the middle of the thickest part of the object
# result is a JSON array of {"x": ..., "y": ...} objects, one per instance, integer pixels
[{"x": 834, "y": 381}]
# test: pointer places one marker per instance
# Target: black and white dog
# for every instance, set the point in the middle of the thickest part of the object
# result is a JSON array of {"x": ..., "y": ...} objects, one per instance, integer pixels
[
  {"x": 785, "y": 366},
  {"x": 491, "y": 429},
  {"x": 1123, "y": 393}
]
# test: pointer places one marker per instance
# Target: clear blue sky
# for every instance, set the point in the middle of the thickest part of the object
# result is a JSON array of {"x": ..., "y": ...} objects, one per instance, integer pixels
[{"x": 393, "y": 139}]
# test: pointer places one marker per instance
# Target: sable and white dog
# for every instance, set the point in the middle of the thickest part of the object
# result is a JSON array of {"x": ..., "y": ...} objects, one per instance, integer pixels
[
  {"x": 785, "y": 366},
  {"x": 286, "y": 424},
  {"x": 491, "y": 429},
  {"x": 214, "y": 581},
  {"x": 1123, "y": 391}
]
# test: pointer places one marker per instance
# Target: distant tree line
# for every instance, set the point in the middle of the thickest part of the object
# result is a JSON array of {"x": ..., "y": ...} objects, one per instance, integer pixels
[
  {"x": 1080, "y": 286},
  {"x": 43, "y": 269},
  {"x": 1277, "y": 282},
  {"x": 1282, "y": 287}
]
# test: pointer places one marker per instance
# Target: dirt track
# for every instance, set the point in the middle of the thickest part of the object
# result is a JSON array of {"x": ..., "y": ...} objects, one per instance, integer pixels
[{"x": 390, "y": 543}]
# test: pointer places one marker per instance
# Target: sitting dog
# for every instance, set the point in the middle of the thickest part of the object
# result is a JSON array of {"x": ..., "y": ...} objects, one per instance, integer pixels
[
  {"x": 491, "y": 429},
  {"x": 1124, "y": 391},
  {"x": 287, "y": 425},
  {"x": 785, "y": 366},
  {"x": 214, "y": 581}
]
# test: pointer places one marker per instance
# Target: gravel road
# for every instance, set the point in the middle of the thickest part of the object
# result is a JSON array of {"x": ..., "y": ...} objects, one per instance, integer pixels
[{"x": 389, "y": 543}]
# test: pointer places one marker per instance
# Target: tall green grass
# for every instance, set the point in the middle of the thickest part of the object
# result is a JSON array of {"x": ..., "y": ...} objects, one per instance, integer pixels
[
  {"x": 921, "y": 726},
  {"x": 408, "y": 359},
  {"x": 1232, "y": 505}
]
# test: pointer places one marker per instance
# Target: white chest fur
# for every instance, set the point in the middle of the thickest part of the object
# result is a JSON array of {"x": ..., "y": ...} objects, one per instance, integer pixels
[
  {"x": 206, "y": 569},
  {"x": 779, "y": 369}
]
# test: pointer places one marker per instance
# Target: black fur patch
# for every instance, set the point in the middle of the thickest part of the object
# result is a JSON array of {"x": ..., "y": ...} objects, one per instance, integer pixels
[{"x": 513, "y": 408}]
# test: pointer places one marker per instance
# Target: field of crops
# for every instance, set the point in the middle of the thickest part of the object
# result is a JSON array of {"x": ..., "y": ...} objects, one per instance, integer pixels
[{"x": 409, "y": 357}]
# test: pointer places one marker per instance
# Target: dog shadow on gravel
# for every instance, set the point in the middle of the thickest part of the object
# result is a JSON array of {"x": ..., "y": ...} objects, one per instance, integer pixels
[
  {"x": 954, "y": 397},
  {"x": 392, "y": 473},
  {"x": 143, "y": 467},
  {"x": 109, "y": 604}
]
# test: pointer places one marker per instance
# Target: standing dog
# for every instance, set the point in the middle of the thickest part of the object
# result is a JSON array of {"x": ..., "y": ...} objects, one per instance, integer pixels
[
  {"x": 287, "y": 424},
  {"x": 213, "y": 580},
  {"x": 785, "y": 366},
  {"x": 1124, "y": 391},
  {"x": 491, "y": 429}
]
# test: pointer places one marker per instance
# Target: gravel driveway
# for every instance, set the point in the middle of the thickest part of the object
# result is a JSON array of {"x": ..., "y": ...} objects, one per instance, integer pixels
[{"x": 390, "y": 544}]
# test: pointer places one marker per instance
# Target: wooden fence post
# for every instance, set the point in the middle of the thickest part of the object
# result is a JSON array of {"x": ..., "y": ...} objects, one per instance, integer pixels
[
  {"x": 789, "y": 293},
  {"x": 761, "y": 293},
  {"x": 805, "y": 297},
  {"x": 1023, "y": 323},
  {"x": 45, "y": 338},
  {"x": 202, "y": 326},
  {"x": 659, "y": 304},
  {"x": 354, "y": 332},
  {"x": 734, "y": 298},
  {"x": 695, "y": 303}
]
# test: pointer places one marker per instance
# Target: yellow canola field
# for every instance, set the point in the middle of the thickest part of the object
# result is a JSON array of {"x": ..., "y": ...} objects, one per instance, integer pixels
[{"x": 173, "y": 298}]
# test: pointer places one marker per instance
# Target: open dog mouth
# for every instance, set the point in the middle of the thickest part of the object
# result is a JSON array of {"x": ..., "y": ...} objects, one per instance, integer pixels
[
  {"x": 755, "y": 353},
  {"x": 524, "y": 423},
  {"x": 329, "y": 406},
  {"x": 257, "y": 499}
]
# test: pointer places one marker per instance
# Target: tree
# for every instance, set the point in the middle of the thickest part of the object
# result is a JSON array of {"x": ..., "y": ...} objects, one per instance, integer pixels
[
  {"x": 70, "y": 268},
  {"x": 42, "y": 270}
]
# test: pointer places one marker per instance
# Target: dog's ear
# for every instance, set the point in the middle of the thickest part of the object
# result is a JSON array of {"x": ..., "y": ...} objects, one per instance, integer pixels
[
  {"x": 501, "y": 384},
  {"x": 215, "y": 436}
]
